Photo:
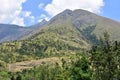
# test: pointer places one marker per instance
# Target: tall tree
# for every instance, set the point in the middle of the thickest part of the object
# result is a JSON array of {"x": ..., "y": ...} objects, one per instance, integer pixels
[{"x": 104, "y": 59}]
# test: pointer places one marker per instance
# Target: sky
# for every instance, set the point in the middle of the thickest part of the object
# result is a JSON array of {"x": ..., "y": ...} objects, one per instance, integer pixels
[{"x": 29, "y": 12}]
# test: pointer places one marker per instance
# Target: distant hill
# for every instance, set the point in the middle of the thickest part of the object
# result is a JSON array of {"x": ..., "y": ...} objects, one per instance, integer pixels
[
  {"x": 12, "y": 32},
  {"x": 15, "y": 32}
]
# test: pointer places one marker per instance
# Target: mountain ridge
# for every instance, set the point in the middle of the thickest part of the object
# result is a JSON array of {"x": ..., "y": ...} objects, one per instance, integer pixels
[{"x": 80, "y": 19}]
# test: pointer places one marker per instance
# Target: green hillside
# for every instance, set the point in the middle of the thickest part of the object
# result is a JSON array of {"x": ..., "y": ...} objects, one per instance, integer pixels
[
  {"x": 100, "y": 62},
  {"x": 56, "y": 40}
]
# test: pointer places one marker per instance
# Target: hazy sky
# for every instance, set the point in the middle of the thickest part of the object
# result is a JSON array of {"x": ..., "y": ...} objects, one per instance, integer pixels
[{"x": 28, "y": 12}]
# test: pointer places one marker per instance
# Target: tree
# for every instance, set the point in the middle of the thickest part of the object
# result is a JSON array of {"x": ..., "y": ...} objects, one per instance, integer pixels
[
  {"x": 12, "y": 78},
  {"x": 77, "y": 69},
  {"x": 104, "y": 59},
  {"x": 19, "y": 77}
]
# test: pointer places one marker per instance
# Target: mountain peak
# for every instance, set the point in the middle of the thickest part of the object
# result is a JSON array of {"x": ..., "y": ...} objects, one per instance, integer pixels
[
  {"x": 81, "y": 12},
  {"x": 61, "y": 17},
  {"x": 40, "y": 24},
  {"x": 43, "y": 21},
  {"x": 67, "y": 11},
  {"x": 76, "y": 11}
]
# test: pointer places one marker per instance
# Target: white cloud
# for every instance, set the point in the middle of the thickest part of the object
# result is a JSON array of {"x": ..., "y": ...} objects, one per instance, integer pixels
[
  {"x": 19, "y": 21},
  {"x": 56, "y": 6},
  {"x": 11, "y": 12},
  {"x": 28, "y": 14},
  {"x": 41, "y": 5}
]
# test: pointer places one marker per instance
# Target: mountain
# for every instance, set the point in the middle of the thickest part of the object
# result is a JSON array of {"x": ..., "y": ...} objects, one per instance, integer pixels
[
  {"x": 82, "y": 20},
  {"x": 67, "y": 33},
  {"x": 15, "y": 32},
  {"x": 89, "y": 25},
  {"x": 40, "y": 24}
]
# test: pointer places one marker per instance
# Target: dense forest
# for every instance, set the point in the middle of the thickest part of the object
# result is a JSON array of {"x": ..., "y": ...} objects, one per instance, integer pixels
[{"x": 101, "y": 62}]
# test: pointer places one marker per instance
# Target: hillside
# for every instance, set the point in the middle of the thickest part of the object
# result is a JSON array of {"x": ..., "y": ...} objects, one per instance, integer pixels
[
  {"x": 49, "y": 42},
  {"x": 67, "y": 33}
]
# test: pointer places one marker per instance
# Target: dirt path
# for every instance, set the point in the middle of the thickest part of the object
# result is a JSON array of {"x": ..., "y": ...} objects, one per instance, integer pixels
[{"x": 18, "y": 66}]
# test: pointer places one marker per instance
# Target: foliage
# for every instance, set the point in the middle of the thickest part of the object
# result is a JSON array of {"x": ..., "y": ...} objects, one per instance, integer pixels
[
  {"x": 102, "y": 62},
  {"x": 105, "y": 59},
  {"x": 52, "y": 41},
  {"x": 76, "y": 68}
]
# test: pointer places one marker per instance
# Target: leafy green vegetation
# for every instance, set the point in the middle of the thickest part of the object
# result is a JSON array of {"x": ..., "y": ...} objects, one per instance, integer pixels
[
  {"x": 102, "y": 62},
  {"x": 105, "y": 60},
  {"x": 76, "y": 68}
]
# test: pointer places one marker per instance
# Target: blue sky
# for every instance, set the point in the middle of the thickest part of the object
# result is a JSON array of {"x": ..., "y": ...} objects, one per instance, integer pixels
[
  {"x": 29, "y": 12},
  {"x": 111, "y": 9}
]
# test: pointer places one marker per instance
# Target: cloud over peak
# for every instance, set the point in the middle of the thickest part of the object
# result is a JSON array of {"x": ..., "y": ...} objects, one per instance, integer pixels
[{"x": 56, "y": 6}]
